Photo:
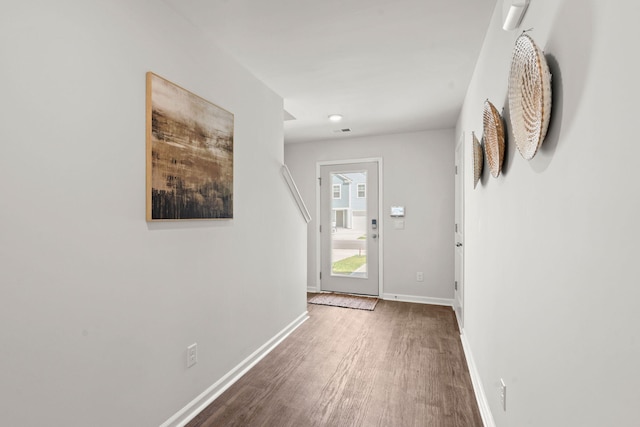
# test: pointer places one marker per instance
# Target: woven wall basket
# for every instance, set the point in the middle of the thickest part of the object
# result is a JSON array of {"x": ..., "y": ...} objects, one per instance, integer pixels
[
  {"x": 493, "y": 138},
  {"x": 478, "y": 160},
  {"x": 529, "y": 96}
]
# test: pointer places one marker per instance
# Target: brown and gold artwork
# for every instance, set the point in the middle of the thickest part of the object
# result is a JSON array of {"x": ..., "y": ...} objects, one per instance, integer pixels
[{"x": 189, "y": 155}]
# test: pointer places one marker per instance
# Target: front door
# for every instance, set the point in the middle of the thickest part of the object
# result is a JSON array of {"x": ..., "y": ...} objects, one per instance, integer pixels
[{"x": 349, "y": 231}]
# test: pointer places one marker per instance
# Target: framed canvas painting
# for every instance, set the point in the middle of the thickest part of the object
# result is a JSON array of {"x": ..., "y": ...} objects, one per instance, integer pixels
[{"x": 189, "y": 155}]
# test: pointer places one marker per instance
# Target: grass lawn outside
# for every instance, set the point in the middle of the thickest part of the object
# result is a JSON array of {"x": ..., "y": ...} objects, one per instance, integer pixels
[{"x": 349, "y": 265}]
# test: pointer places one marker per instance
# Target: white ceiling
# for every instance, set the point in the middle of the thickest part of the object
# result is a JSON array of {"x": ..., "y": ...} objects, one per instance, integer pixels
[{"x": 388, "y": 66}]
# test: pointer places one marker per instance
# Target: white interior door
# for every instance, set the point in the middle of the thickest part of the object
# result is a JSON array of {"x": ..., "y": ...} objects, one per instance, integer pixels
[
  {"x": 459, "y": 235},
  {"x": 349, "y": 228}
]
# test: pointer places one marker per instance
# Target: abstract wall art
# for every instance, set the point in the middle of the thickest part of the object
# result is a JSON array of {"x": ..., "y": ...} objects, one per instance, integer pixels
[{"x": 189, "y": 155}]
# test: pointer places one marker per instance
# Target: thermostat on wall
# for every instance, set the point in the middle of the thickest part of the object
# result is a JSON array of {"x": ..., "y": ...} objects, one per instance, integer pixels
[{"x": 397, "y": 211}]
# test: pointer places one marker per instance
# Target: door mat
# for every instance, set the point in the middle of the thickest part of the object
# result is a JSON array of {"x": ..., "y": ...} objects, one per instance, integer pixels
[{"x": 343, "y": 300}]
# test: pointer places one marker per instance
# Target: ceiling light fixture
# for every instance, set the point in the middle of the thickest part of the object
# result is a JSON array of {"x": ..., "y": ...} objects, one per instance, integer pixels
[
  {"x": 513, "y": 18},
  {"x": 335, "y": 117}
]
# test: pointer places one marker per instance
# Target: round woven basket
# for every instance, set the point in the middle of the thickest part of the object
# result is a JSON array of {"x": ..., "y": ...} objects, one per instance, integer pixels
[
  {"x": 493, "y": 138},
  {"x": 529, "y": 96},
  {"x": 478, "y": 160}
]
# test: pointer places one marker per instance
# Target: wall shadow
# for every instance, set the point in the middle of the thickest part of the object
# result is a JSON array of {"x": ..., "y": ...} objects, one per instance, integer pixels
[
  {"x": 546, "y": 152},
  {"x": 187, "y": 224},
  {"x": 486, "y": 172},
  {"x": 509, "y": 142},
  {"x": 568, "y": 53}
]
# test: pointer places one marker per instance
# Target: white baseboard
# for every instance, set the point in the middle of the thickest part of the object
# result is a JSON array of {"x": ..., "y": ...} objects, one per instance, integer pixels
[
  {"x": 312, "y": 289},
  {"x": 420, "y": 300},
  {"x": 481, "y": 397},
  {"x": 197, "y": 405}
]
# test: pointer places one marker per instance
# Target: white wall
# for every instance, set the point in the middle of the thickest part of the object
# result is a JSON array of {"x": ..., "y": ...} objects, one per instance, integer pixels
[
  {"x": 551, "y": 245},
  {"x": 97, "y": 307},
  {"x": 418, "y": 174}
]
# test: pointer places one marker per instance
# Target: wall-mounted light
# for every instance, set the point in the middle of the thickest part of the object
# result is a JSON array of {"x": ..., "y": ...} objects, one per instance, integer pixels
[
  {"x": 514, "y": 13},
  {"x": 335, "y": 117}
]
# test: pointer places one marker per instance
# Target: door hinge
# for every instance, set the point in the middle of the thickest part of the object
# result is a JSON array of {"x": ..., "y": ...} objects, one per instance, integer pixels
[
  {"x": 321, "y": 228},
  {"x": 319, "y": 181},
  {"x": 455, "y": 285},
  {"x": 456, "y": 169},
  {"x": 321, "y": 275},
  {"x": 456, "y": 228}
]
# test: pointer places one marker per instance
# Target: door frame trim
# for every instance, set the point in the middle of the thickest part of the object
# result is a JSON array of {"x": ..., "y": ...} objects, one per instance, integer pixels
[
  {"x": 377, "y": 160},
  {"x": 460, "y": 198}
]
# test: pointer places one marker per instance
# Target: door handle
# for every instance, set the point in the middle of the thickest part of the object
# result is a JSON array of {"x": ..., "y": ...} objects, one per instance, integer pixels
[
  {"x": 458, "y": 244},
  {"x": 374, "y": 236}
]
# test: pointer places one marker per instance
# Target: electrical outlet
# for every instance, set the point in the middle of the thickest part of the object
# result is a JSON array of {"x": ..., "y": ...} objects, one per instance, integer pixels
[
  {"x": 419, "y": 276},
  {"x": 502, "y": 393},
  {"x": 192, "y": 354}
]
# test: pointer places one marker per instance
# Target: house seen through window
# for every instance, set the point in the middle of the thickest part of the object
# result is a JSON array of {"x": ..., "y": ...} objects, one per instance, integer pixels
[{"x": 337, "y": 191}]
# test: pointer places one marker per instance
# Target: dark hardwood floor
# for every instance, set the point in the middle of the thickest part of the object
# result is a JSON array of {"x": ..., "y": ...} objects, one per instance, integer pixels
[{"x": 400, "y": 365}]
